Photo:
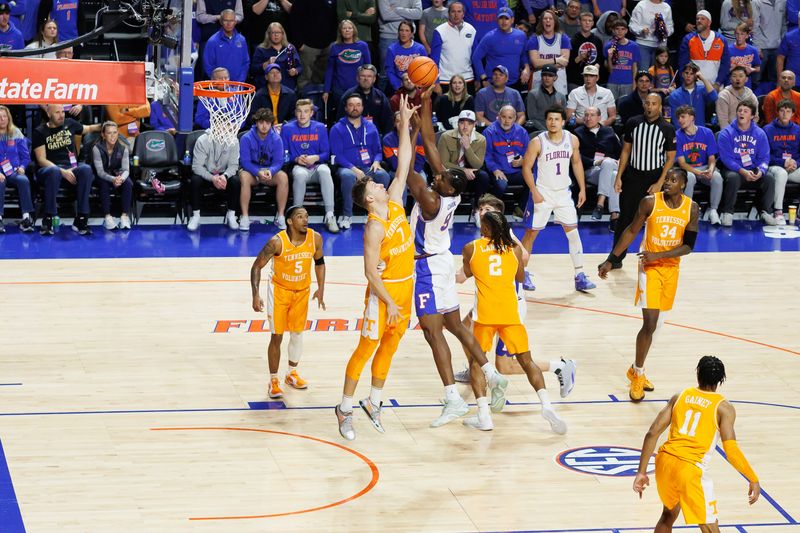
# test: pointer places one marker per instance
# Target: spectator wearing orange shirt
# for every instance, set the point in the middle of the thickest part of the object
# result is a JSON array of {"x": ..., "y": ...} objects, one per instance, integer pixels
[
  {"x": 784, "y": 91},
  {"x": 128, "y": 118}
]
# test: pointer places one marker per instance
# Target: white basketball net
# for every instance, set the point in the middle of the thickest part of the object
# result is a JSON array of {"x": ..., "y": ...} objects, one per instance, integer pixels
[{"x": 227, "y": 114}]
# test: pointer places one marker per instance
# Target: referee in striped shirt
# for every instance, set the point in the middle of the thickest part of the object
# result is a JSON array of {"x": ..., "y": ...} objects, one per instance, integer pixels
[{"x": 647, "y": 156}]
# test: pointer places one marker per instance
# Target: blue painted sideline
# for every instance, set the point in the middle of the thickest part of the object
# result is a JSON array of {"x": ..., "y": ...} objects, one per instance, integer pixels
[{"x": 10, "y": 515}]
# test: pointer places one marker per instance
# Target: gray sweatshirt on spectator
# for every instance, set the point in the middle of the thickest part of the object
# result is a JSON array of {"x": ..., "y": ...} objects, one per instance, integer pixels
[
  {"x": 211, "y": 158},
  {"x": 392, "y": 12}
]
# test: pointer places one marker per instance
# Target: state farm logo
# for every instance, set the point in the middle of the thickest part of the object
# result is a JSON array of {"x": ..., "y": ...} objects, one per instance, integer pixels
[{"x": 51, "y": 89}]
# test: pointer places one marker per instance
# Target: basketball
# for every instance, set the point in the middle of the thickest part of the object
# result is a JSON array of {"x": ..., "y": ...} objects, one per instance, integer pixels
[{"x": 422, "y": 71}]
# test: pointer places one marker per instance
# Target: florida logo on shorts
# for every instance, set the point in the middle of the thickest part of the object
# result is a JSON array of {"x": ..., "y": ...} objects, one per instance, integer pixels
[{"x": 613, "y": 461}]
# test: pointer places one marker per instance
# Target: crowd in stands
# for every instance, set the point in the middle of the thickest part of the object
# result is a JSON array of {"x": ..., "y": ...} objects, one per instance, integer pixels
[{"x": 329, "y": 74}]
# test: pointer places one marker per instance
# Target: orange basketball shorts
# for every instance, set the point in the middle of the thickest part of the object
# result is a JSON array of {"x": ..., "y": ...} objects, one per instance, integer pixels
[
  {"x": 685, "y": 483},
  {"x": 515, "y": 336},
  {"x": 657, "y": 287},
  {"x": 287, "y": 309},
  {"x": 374, "y": 325}
]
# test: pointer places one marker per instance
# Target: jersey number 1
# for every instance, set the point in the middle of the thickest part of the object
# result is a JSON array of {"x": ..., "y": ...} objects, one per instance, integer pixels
[{"x": 693, "y": 418}]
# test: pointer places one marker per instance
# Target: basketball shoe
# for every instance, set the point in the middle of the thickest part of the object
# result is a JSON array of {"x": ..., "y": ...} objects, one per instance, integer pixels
[
  {"x": 293, "y": 379},
  {"x": 373, "y": 412},
  {"x": 275, "y": 389},
  {"x": 452, "y": 409},
  {"x": 648, "y": 386},
  {"x": 345, "y": 424}
]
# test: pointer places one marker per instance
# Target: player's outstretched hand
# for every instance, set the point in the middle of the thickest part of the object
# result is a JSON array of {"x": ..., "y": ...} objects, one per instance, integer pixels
[
  {"x": 426, "y": 94},
  {"x": 320, "y": 301},
  {"x": 753, "y": 492},
  {"x": 406, "y": 111},
  {"x": 258, "y": 304},
  {"x": 604, "y": 269},
  {"x": 640, "y": 482}
]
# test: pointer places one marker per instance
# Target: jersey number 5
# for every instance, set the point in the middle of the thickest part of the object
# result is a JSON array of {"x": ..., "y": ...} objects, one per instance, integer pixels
[
  {"x": 495, "y": 265},
  {"x": 692, "y": 418},
  {"x": 298, "y": 267}
]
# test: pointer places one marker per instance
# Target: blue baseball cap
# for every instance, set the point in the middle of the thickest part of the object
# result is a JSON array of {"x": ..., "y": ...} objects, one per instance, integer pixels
[
  {"x": 505, "y": 12},
  {"x": 271, "y": 66},
  {"x": 503, "y": 70}
]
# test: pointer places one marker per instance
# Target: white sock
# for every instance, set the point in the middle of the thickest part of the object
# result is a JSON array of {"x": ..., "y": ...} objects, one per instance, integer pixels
[
  {"x": 450, "y": 393},
  {"x": 273, "y": 376},
  {"x": 544, "y": 398},
  {"x": 557, "y": 365},
  {"x": 347, "y": 404},
  {"x": 375, "y": 396},
  {"x": 295, "y": 347},
  {"x": 196, "y": 213},
  {"x": 329, "y": 214},
  {"x": 489, "y": 371},
  {"x": 639, "y": 371},
  {"x": 575, "y": 250},
  {"x": 25, "y": 216},
  {"x": 483, "y": 408}
]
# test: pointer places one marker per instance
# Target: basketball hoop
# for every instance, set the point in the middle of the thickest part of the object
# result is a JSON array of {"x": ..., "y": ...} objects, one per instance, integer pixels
[{"x": 228, "y": 103}]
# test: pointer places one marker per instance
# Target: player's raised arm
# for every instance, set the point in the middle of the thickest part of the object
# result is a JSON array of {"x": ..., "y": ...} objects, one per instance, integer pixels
[
  {"x": 270, "y": 250},
  {"x": 661, "y": 423},
  {"x": 645, "y": 208},
  {"x": 405, "y": 151},
  {"x": 577, "y": 169},
  {"x": 427, "y": 199},
  {"x": 373, "y": 235},
  {"x": 319, "y": 271},
  {"x": 726, "y": 416},
  {"x": 531, "y": 153},
  {"x": 428, "y": 135}
]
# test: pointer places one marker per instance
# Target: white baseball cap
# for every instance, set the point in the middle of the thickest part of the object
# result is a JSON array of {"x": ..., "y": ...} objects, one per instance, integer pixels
[{"x": 467, "y": 115}]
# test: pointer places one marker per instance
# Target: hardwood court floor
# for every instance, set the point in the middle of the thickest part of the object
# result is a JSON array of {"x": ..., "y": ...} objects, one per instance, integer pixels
[{"x": 109, "y": 351}]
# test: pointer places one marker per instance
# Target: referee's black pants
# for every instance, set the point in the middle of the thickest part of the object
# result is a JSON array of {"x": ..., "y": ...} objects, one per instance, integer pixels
[{"x": 634, "y": 187}]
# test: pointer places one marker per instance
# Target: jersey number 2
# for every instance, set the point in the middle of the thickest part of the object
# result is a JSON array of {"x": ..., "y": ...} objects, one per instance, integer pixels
[
  {"x": 692, "y": 418},
  {"x": 495, "y": 265}
]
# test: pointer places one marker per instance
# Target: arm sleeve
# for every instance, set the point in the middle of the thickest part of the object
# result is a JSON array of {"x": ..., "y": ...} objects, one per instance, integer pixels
[
  {"x": 361, "y": 18},
  {"x": 436, "y": 48},
  {"x": 391, "y": 71},
  {"x": 384, "y": 8},
  {"x": 245, "y": 57},
  {"x": 737, "y": 460},
  {"x": 201, "y": 13},
  {"x": 328, "y": 83},
  {"x": 762, "y": 152},
  {"x": 683, "y": 54},
  {"x": 712, "y": 148},
  {"x": 637, "y": 23},
  {"x": 337, "y": 149},
  {"x": 140, "y": 111},
  {"x": 276, "y": 155},
  {"x": 478, "y": 53},
  {"x": 324, "y": 145},
  {"x": 126, "y": 163},
  {"x": 374, "y": 143},
  {"x": 727, "y": 155},
  {"x": 233, "y": 161},
  {"x": 476, "y": 154},
  {"x": 724, "y": 64},
  {"x": 792, "y": 9},
  {"x": 411, "y": 13},
  {"x": 244, "y": 156},
  {"x": 259, "y": 57},
  {"x": 98, "y": 165},
  {"x": 209, "y": 59},
  {"x": 199, "y": 159},
  {"x": 491, "y": 163},
  {"x": 23, "y": 151}
]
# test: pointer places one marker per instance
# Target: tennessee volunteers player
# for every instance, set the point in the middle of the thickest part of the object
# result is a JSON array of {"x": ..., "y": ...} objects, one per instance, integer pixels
[
  {"x": 389, "y": 269},
  {"x": 495, "y": 260},
  {"x": 696, "y": 418},
  {"x": 289, "y": 284},
  {"x": 670, "y": 232}
]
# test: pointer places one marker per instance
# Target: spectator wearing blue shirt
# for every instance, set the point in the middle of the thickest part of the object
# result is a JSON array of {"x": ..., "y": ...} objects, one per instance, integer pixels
[
  {"x": 792, "y": 12},
  {"x": 18, "y": 9},
  {"x": 506, "y": 142},
  {"x": 745, "y": 55},
  {"x": 400, "y": 54},
  {"x": 789, "y": 52},
  {"x": 64, "y": 12},
  {"x": 623, "y": 57},
  {"x": 159, "y": 120},
  {"x": 690, "y": 93},
  {"x": 30, "y": 18},
  {"x": 356, "y": 147},
  {"x": 275, "y": 96},
  {"x": 261, "y": 158},
  {"x": 504, "y": 45},
  {"x": 276, "y": 49},
  {"x": 535, "y": 8},
  {"x": 696, "y": 153},
  {"x": 784, "y": 141},
  {"x": 10, "y": 37},
  {"x": 305, "y": 143},
  {"x": 14, "y": 157},
  {"x": 482, "y": 15},
  {"x": 227, "y": 48},
  {"x": 489, "y": 100},
  {"x": 744, "y": 150},
  {"x": 347, "y": 54}
]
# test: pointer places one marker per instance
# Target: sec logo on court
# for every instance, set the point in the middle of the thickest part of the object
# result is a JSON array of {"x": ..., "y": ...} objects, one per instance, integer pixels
[{"x": 615, "y": 461}]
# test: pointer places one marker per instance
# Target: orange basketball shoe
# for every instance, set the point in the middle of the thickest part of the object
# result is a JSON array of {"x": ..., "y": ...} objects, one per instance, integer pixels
[
  {"x": 637, "y": 388},
  {"x": 648, "y": 386},
  {"x": 293, "y": 379},
  {"x": 275, "y": 389}
]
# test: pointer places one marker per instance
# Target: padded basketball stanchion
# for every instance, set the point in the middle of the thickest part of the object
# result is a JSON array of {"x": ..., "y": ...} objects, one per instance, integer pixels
[{"x": 228, "y": 103}]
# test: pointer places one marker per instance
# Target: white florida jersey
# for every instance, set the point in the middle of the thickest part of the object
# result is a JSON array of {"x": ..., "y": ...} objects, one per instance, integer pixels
[
  {"x": 433, "y": 236},
  {"x": 553, "y": 163}
]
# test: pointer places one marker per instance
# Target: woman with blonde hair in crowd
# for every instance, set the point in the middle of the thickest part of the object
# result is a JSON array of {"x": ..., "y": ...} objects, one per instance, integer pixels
[
  {"x": 110, "y": 157},
  {"x": 14, "y": 157},
  {"x": 276, "y": 49},
  {"x": 346, "y": 55},
  {"x": 48, "y": 36},
  {"x": 453, "y": 102}
]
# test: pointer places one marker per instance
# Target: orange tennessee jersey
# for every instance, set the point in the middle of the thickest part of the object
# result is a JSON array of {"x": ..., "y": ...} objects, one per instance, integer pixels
[
  {"x": 495, "y": 274},
  {"x": 397, "y": 246},
  {"x": 291, "y": 269},
  {"x": 693, "y": 431},
  {"x": 665, "y": 227}
]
